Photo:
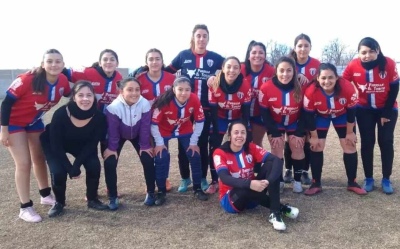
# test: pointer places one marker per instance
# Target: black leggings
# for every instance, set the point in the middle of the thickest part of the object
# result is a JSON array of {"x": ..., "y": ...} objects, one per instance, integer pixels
[
  {"x": 59, "y": 174},
  {"x": 110, "y": 168},
  {"x": 241, "y": 197},
  {"x": 367, "y": 120},
  {"x": 183, "y": 160}
]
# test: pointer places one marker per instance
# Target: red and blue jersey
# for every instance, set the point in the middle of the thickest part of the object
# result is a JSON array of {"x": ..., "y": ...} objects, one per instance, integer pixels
[
  {"x": 174, "y": 120},
  {"x": 256, "y": 80},
  {"x": 229, "y": 105},
  {"x": 284, "y": 108},
  {"x": 373, "y": 87},
  {"x": 198, "y": 68},
  {"x": 316, "y": 100},
  {"x": 239, "y": 164},
  {"x": 105, "y": 88},
  {"x": 308, "y": 69},
  {"x": 30, "y": 106},
  {"x": 150, "y": 89}
]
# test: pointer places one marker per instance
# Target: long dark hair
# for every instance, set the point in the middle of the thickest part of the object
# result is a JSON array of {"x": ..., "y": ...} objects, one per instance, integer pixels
[
  {"x": 246, "y": 144},
  {"x": 252, "y": 44},
  {"x": 97, "y": 63},
  {"x": 328, "y": 66},
  {"x": 145, "y": 68},
  {"x": 374, "y": 45},
  {"x": 296, "y": 40},
  {"x": 298, "y": 95},
  {"x": 122, "y": 83},
  {"x": 217, "y": 79},
  {"x": 169, "y": 95},
  {"x": 39, "y": 80}
]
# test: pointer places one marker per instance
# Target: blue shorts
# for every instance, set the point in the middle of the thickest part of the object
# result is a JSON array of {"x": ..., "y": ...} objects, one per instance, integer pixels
[
  {"x": 288, "y": 129},
  {"x": 228, "y": 206},
  {"x": 339, "y": 123},
  {"x": 38, "y": 126}
]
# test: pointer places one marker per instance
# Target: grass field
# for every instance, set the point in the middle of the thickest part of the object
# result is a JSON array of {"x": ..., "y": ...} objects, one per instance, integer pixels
[{"x": 335, "y": 218}]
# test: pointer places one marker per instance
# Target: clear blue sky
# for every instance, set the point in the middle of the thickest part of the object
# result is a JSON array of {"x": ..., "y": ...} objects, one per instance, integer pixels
[{"x": 81, "y": 29}]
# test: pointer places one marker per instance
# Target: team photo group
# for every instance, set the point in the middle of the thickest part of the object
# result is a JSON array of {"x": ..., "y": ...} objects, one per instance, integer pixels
[{"x": 219, "y": 109}]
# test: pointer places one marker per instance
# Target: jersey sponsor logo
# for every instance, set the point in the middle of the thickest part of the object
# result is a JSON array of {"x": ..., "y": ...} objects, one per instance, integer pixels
[
  {"x": 217, "y": 95},
  {"x": 318, "y": 103},
  {"x": 273, "y": 99},
  {"x": 217, "y": 160},
  {"x": 362, "y": 87},
  {"x": 229, "y": 162},
  {"x": 313, "y": 71},
  {"x": 187, "y": 61},
  {"x": 168, "y": 113},
  {"x": 210, "y": 62},
  {"x": 354, "y": 97},
  {"x": 356, "y": 74},
  {"x": 190, "y": 72},
  {"x": 95, "y": 83},
  {"x": 16, "y": 83},
  {"x": 145, "y": 91},
  {"x": 342, "y": 101}
]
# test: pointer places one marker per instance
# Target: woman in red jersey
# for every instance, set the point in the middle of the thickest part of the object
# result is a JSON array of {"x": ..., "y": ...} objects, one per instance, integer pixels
[
  {"x": 239, "y": 188},
  {"x": 28, "y": 98},
  {"x": 331, "y": 99},
  {"x": 306, "y": 70},
  {"x": 281, "y": 101},
  {"x": 376, "y": 79}
]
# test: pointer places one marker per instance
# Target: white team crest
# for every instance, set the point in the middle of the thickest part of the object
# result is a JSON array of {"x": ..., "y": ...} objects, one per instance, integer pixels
[
  {"x": 240, "y": 95},
  {"x": 313, "y": 71},
  {"x": 61, "y": 91},
  {"x": 342, "y": 101},
  {"x": 217, "y": 160},
  {"x": 191, "y": 110},
  {"x": 210, "y": 62},
  {"x": 382, "y": 75},
  {"x": 264, "y": 79},
  {"x": 16, "y": 83},
  {"x": 249, "y": 158},
  {"x": 166, "y": 88}
]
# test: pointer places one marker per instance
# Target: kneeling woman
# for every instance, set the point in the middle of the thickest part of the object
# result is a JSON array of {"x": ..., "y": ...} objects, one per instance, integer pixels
[
  {"x": 331, "y": 99},
  {"x": 173, "y": 113},
  {"x": 239, "y": 188},
  {"x": 76, "y": 128}
]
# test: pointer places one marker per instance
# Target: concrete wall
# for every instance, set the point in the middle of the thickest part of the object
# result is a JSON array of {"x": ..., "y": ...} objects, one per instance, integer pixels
[{"x": 7, "y": 77}]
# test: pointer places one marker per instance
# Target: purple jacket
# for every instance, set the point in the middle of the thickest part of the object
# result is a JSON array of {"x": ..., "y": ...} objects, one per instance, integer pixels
[{"x": 128, "y": 122}]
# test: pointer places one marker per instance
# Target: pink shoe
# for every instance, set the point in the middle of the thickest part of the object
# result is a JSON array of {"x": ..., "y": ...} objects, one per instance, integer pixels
[
  {"x": 29, "y": 215},
  {"x": 48, "y": 200},
  {"x": 212, "y": 188}
]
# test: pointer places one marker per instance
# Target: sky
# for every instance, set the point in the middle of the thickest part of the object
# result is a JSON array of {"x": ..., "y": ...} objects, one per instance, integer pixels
[{"x": 80, "y": 30}]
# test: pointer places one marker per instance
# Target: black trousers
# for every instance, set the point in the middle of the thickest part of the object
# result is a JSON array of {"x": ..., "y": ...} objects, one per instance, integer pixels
[
  {"x": 367, "y": 121},
  {"x": 241, "y": 197},
  {"x": 59, "y": 174},
  {"x": 110, "y": 168}
]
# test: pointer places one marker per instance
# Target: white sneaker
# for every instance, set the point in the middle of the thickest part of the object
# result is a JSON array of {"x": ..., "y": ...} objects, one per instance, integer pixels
[
  {"x": 29, "y": 215},
  {"x": 276, "y": 220},
  {"x": 297, "y": 188},
  {"x": 281, "y": 187},
  {"x": 48, "y": 200},
  {"x": 289, "y": 211}
]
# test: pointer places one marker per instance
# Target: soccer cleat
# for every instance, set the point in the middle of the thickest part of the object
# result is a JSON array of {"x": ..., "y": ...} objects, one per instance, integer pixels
[
  {"x": 48, "y": 200},
  {"x": 276, "y": 220},
  {"x": 160, "y": 199},
  {"x": 314, "y": 189},
  {"x": 305, "y": 179},
  {"x": 200, "y": 195},
  {"x": 369, "y": 184},
  {"x": 204, "y": 184},
  {"x": 97, "y": 204},
  {"x": 387, "y": 186},
  {"x": 212, "y": 188},
  {"x": 150, "y": 199},
  {"x": 289, "y": 211},
  {"x": 56, "y": 210},
  {"x": 113, "y": 203},
  {"x": 354, "y": 187},
  {"x": 29, "y": 215},
  {"x": 297, "y": 188},
  {"x": 288, "y": 178},
  {"x": 185, "y": 183}
]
